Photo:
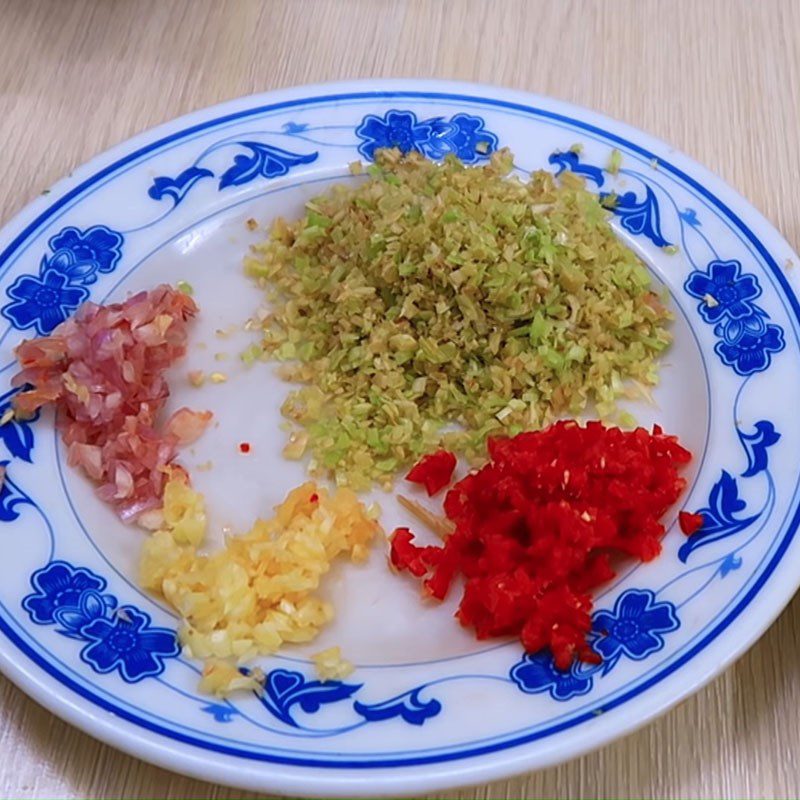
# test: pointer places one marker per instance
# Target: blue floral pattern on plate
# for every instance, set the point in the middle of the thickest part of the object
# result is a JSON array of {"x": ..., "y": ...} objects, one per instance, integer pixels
[
  {"x": 635, "y": 627},
  {"x": 537, "y": 673},
  {"x": 129, "y": 644},
  {"x": 45, "y": 300},
  {"x": 59, "y": 585},
  {"x": 724, "y": 290},
  {"x": 726, "y": 301},
  {"x": 118, "y": 638},
  {"x": 463, "y": 135},
  {"x": 42, "y": 301}
]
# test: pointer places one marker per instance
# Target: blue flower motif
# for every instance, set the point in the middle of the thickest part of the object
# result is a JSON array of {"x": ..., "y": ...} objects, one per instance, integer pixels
[
  {"x": 469, "y": 139},
  {"x": 399, "y": 129},
  {"x": 634, "y": 627},
  {"x": 120, "y": 639},
  {"x": 463, "y": 135},
  {"x": 730, "y": 291},
  {"x": 80, "y": 255},
  {"x": 59, "y": 585},
  {"x": 42, "y": 302},
  {"x": 747, "y": 341},
  {"x": 127, "y": 643},
  {"x": 537, "y": 673},
  {"x": 91, "y": 606},
  {"x": 750, "y": 351}
]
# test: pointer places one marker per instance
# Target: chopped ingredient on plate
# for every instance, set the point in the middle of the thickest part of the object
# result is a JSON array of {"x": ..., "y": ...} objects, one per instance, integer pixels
[
  {"x": 690, "y": 523},
  {"x": 433, "y": 305},
  {"x": 439, "y": 525},
  {"x": 260, "y": 589},
  {"x": 614, "y": 162},
  {"x": 103, "y": 369},
  {"x": 433, "y": 471},
  {"x": 537, "y": 527},
  {"x": 331, "y": 666},
  {"x": 224, "y": 678},
  {"x": 197, "y": 378}
]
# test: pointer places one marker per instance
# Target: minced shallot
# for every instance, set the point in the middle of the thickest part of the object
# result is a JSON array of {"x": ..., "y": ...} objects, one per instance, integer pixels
[{"x": 104, "y": 369}]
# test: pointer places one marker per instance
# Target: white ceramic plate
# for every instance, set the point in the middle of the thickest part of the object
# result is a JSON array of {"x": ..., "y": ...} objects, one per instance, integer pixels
[{"x": 428, "y": 707}]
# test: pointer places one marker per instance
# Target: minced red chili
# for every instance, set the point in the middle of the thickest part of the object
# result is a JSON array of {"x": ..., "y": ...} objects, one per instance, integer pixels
[
  {"x": 690, "y": 523},
  {"x": 539, "y": 526},
  {"x": 433, "y": 471},
  {"x": 244, "y": 447}
]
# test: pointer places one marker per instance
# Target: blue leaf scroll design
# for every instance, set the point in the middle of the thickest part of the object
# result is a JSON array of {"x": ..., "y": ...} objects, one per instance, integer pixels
[
  {"x": 571, "y": 161},
  {"x": 264, "y": 161},
  {"x": 639, "y": 217},
  {"x": 720, "y": 518},
  {"x": 44, "y": 300},
  {"x": 11, "y": 496},
  {"x": 284, "y": 689},
  {"x": 407, "y": 706},
  {"x": 16, "y": 434},
  {"x": 116, "y": 639},
  {"x": 756, "y": 445},
  {"x": 293, "y": 128},
  {"x": 220, "y": 713},
  {"x": 463, "y": 135},
  {"x": 689, "y": 216},
  {"x": 729, "y": 564},
  {"x": 727, "y": 295},
  {"x": 177, "y": 187}
]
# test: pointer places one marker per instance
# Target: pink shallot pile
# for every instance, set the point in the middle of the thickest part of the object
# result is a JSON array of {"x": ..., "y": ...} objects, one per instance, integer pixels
[{"x": 103, "y": 369}]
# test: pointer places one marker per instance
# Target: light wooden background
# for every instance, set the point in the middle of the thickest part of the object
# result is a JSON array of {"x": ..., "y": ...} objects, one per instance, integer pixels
[{"x": 720, "y": 79}]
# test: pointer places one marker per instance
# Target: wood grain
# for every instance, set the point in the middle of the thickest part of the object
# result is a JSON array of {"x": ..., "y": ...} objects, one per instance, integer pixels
[{"x": 720, "y": 79}]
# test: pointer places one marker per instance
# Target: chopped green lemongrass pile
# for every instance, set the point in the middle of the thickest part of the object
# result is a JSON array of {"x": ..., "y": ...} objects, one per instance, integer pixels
[{"x": 436, "y": 304}]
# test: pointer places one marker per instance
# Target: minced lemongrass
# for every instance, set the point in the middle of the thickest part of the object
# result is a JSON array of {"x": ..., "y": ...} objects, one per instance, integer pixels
[{"x": 434, "y": 305}]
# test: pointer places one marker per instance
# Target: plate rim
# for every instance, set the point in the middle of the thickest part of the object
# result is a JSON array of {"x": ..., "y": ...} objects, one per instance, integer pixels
[{"x": 131, "y": 738}]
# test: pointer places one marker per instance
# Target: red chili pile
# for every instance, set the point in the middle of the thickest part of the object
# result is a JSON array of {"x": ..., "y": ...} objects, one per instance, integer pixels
[{"x": 539, "y": 526}]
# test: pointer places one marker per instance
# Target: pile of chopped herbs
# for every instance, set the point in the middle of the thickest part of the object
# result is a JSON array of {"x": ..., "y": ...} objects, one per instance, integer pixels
[{"x": 436, "y": 304}]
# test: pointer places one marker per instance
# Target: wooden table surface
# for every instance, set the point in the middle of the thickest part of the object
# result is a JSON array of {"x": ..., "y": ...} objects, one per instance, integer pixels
[{"x": 720, "y": 79}]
